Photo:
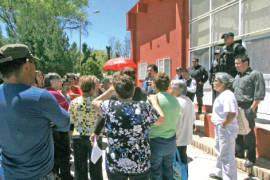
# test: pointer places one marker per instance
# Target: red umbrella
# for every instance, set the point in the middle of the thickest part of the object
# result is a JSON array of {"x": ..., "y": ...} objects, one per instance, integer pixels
[{"x": 119, "y": 63}]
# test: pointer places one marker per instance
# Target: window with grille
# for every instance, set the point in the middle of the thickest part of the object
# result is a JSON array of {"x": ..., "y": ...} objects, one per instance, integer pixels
[
  {"x": 164, "y": 65},
  {"x": 255, "y": 15},
  {"x": 142, "y": 71}
]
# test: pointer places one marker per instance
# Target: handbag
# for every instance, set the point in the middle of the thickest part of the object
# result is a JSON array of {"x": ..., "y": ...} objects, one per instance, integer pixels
[
  {"x": 243, "y": 123},
  {"x": 179, "y": 169}
]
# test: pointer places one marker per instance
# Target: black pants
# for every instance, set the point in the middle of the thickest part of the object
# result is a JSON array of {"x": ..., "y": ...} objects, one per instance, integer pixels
[
  {"x": 183, "y": 154},
  {"x": 199, "y": 96},
  {"x": 247, "y": 141},
  {"x": 119, "y": 176},
  {"x": 82, "y": 152},
  {"x": 62, "y": 155}
]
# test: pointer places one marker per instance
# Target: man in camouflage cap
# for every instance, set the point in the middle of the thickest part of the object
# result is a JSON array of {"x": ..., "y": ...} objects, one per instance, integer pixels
[{"x": 25, "y": 116}]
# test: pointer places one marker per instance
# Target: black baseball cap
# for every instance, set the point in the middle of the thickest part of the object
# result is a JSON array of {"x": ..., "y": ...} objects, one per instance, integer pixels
[
  {"x": 12, "y": 52},
  {"x": 227, "y": 34}
]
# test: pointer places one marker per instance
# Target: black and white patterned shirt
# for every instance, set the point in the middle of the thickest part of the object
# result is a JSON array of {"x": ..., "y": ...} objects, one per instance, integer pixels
[{"x": 128, "y": 127}]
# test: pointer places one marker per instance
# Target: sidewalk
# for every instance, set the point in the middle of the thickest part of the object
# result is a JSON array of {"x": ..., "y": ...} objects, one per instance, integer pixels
[{"x": 260, "y": 170}]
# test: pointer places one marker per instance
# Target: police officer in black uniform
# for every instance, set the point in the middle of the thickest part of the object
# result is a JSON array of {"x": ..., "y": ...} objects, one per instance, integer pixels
[
  {"x": 200, "y": 74},
  {"x": 215, "y": 68},
  {"x": 229, "y": 51}
]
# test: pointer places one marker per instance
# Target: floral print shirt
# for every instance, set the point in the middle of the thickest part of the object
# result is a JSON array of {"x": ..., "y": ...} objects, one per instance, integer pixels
[
  {"x": 82, "y": 115},
  {"x": 127, "y": 127}
]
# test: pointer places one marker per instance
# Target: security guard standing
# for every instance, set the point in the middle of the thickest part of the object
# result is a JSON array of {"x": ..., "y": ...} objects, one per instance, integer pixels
[
  {"x": 215, "y": 68},
  {"x": 249, "y": 90},
  {"x": 229, "y": 51},
  {"x": 199, "y": 73}
]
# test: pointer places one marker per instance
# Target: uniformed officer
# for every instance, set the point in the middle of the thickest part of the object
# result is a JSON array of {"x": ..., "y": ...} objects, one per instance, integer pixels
[
  {"x": 178, "y": 74},
  {"x": 190, "y": 82},
  {"x": 215, "y": 68},
  {"x": 200, "y": 74},
  {"x": 249, "y": 90},
  {"x": 229, "y": 51}
]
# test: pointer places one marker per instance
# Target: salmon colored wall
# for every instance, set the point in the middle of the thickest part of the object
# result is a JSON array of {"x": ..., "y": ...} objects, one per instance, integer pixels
[{"x": 160, "y": 31}]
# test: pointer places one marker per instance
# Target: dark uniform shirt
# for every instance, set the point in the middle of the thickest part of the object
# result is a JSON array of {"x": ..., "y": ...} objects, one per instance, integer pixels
[
  {"x": 199, "y": 73},
  {"x": 227, "y": 58},
  {"x": 249, "y": 86}
]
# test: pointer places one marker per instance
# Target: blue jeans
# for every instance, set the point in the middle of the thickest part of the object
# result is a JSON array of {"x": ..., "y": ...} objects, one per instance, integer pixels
[
  {"x": 50, "y": 176},
  {"x": 162, "y": 153}
]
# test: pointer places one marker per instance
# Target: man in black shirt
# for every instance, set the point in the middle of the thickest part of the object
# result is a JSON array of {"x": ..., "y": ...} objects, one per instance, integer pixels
[
  {"x": 200, "y": 74},
  {"x": 249, "y": 90}
]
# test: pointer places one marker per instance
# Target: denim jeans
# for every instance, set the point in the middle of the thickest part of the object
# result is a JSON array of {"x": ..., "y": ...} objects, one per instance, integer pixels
[
  {"x": 119, "y": 176},
  {"x": 82, "y": 152},
  {"x": 49, "y": 176},
  {"x": 162, "y": 154}
]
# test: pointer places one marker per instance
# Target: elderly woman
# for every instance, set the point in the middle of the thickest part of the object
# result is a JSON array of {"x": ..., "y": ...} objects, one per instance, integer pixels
[
  {"x": 83, "y": 117},
  {"x": 186, "y": 118},
  {"x": 127, "y": 123},
  {"x": 224, "y": 117},
  {"x": 53, "y": 83}
]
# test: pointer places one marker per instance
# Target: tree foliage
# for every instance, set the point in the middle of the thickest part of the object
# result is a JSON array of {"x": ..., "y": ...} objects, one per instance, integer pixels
[
  {"x": 40, "y": 24},
  {"x": 91, "y": 67},
  {"x": 93, "y": 61}
]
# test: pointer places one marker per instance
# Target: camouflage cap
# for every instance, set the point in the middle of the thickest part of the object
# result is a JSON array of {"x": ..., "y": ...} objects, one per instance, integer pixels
[{"x": 11, "y": 52}]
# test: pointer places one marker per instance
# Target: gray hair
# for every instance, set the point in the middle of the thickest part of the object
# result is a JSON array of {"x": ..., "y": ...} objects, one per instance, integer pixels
[
  {"x": 180, "y": 85},
  {"x": 50, "y": 76},
  {"x": 226, "y": 79}
]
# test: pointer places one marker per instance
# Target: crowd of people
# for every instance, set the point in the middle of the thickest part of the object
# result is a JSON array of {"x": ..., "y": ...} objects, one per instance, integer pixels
[{"x": 46, "y": 118}]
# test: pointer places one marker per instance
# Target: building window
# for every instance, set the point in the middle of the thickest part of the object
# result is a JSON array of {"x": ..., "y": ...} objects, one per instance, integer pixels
[
  {"x": 255, "y": 15},
  {"x": 258, "y": 51},
  {"x": 142, "y": 71},
  {"x": 200, "y": 32},
  {"x": 226, "y": 20},
  {"x": 203, "y": 56},
  {"x": 164, "y": 65},
  {"x": 199, "y": 7}
]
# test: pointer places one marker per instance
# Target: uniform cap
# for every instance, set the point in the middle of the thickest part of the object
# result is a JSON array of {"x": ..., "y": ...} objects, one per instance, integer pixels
[
  {"x": 227, "y": 34},
  {"x": 12, "y": 52}
]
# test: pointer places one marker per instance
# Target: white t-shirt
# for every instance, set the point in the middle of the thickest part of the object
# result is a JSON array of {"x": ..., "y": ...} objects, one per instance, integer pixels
[
  {"x": 184, "y": 123},
  {"x": 225, "y": 103}
]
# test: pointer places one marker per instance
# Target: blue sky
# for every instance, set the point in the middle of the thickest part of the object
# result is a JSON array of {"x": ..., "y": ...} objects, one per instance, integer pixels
[{"x": 111, "y": 21}]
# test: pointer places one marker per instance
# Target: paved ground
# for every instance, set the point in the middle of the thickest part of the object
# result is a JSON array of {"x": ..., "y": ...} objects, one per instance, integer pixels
[
  {"x": 200, "y": 166},
  {"x": 203, "y": 164}
]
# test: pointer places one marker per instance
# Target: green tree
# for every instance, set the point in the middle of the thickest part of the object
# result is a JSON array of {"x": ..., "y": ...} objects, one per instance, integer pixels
[
  {"x": 40, "y": 24},
  {"x": 91, "y": 67}
]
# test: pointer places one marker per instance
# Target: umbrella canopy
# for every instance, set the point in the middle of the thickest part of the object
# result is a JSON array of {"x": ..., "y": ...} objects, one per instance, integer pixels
[{"x": 119, "y": 63}]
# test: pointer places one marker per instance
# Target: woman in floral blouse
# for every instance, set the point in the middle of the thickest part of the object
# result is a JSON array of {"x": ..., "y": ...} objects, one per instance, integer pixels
[{"x": 127, "y": 123}]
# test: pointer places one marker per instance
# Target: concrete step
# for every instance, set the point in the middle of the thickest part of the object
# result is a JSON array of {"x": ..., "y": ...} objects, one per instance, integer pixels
[{"x": 260, "y": 170}]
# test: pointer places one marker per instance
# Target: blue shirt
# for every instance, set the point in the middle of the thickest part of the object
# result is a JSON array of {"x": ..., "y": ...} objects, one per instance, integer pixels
[
  {"x": 25, "y": 132},
  {"x": 147, "y": 87}
]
